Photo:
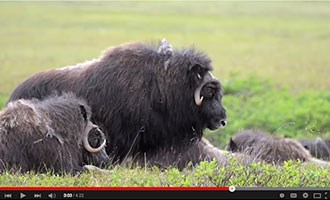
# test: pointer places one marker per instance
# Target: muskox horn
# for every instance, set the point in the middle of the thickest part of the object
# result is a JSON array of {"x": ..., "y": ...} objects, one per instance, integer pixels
[
  {"x": 88, "y": 147},
  {"x": 198, "y": 98}
]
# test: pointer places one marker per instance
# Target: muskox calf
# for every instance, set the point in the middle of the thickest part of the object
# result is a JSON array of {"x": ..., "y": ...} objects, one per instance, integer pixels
[
  {"x": 55, "y": 134},
  {"x": 274, "y": 150}
]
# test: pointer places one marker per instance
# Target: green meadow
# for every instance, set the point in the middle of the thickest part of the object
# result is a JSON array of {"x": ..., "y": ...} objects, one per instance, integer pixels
[{"x": 272, "y": 59}]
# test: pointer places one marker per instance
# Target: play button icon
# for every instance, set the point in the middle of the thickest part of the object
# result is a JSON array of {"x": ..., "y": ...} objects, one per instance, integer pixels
[{"x": 22, "y": 195}]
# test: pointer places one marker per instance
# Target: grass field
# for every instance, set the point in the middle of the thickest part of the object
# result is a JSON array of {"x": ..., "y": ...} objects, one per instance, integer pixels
[
  {"x": 205, "y": 174},
  {"x": 272, "y": 58}
]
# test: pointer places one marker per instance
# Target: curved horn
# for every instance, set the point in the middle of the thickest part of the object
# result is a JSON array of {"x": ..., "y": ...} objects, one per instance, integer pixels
[
  {"x": 198, "y": 98},
  {"x": 197, "y": 95},
  {"x": 88, "y": 147}
]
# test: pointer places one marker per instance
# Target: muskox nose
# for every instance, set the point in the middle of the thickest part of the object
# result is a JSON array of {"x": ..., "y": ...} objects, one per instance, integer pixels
[{"x": 223, "y": 123}]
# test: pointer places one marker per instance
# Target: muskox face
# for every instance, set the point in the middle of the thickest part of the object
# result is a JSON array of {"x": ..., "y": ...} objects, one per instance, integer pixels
[
  {"x": 93, "y": 141},
  {"x": 96, "y": 139},
  {"x": 245, "y": 140},
  {"x": 208, "y": 96},
  {"x": 212, "y": 110}
]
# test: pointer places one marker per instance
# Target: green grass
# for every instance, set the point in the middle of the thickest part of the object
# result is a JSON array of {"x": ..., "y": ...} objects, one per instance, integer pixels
[
  {"x": 257, "y": 104},
  {"x": 291, "y": 174},
  {"x": 272, "y": 59},
  {"x": 286, "y": 42},
  {"x": 2, "y": 101}
]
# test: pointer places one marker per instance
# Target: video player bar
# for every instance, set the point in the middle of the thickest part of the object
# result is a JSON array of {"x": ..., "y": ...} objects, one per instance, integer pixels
[{"x": 162, "y": 193}]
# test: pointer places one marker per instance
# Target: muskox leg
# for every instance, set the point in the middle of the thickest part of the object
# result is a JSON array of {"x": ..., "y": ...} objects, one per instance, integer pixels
[
  {"x": 193, "y": 153},
  {"x": 77, "y": 170},
  {"x": 90, "y": 168},
  {"x": 209, "y": 152},
  {"x": 73, "y": 171}
]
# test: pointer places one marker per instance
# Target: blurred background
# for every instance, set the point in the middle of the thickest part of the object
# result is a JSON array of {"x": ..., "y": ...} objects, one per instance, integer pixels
[{"x": 271, "y": 57}]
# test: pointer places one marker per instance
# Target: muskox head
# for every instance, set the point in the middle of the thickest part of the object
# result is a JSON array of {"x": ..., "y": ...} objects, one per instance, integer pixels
[
  {"x": 93, "y": 141},
  {"x": 207, "y": 97},
  {"x": 317, "y": 148},
  {"x": 202, "y": 90},
  {"x": 246, "y": 140},
  {"x": 267, "y": 147}
]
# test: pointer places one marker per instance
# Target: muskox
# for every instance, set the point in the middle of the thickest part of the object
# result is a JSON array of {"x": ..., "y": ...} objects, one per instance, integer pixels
[
  {"x": 54, "y": 134},
  {"x": 274, "y": 150},
  {"x": 319, "y": 148},
  {"x": 147, "y": 99}
]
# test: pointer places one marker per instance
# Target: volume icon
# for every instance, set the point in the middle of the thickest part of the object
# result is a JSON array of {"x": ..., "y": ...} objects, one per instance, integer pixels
[{"x": 52, "y": 195}]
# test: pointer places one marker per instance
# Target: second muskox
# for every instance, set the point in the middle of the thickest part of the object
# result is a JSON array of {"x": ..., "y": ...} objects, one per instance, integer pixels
[
  {"x": 147, "y": 99},
  {"x": 319, "y": 148},
  {"x": 55, "y": 134},
  {"x": 274, "y": 150}
]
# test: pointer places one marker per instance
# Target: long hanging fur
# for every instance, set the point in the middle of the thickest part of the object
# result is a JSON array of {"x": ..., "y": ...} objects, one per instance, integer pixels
[
  {"x": 46, "y": 135},
  {"x": 274, "y": 150},
  {"x": 319, "y": 148},
  {"x": 142, "y": 106}
]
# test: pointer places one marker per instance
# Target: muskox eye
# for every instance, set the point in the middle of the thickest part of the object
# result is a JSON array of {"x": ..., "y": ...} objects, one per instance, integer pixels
[
  {"x": 210, "y": 92},
  {"x": 198, "y": 70}
]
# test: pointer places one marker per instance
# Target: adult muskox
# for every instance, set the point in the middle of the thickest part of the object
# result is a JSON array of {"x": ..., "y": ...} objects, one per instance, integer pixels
[
  {"x": 270, "y": 149},
  {"x": 54, "y": 134},
  {"x": 148, "y": 100},
  {"x": 319, "y": 148}
]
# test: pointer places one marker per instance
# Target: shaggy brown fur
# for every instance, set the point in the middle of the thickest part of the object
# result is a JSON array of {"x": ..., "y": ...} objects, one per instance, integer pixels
[
  {"x": 271, "y": 150},
  {"x": 319, "y": 148},
  {"x": 148, "y": 101},
  {"x": 47, "y": 135},
  {"x": 200, "y": 150}
]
